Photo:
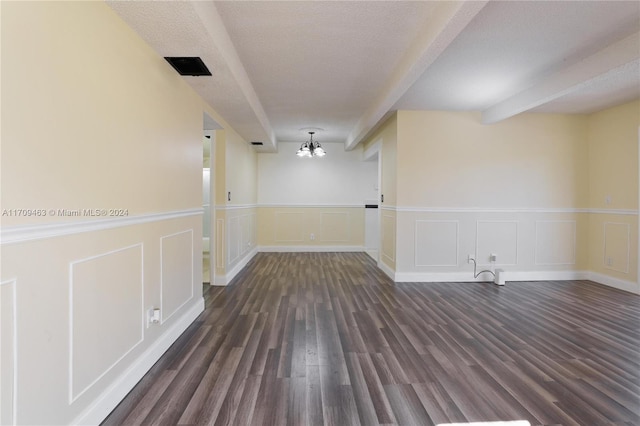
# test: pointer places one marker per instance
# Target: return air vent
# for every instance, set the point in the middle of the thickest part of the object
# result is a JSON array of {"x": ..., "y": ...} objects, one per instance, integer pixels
[
  {"x": 257, "y": 143},
  {"x": 188, "y": 65}
]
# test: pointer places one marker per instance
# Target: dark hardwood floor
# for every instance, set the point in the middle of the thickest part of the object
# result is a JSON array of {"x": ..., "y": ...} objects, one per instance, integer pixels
[{"x": 327, "y": 338}]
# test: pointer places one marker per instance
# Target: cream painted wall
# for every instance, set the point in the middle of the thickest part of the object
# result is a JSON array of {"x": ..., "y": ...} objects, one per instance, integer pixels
[
  {"x": 241, "y": 165},
  {"x": 79, "y": 100},
  {"x": 311, "y": 228},
  {"x": 339, "y": 178},
  {"x": 613, "y": 188},
  {"x": 93, "y": 118},
  {"x": 613, "y": 157},
  {"x": 450, "y": 159}
]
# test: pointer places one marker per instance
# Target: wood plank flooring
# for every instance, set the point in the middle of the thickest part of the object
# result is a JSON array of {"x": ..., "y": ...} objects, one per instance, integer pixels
[{"x": 327, "y": 338}]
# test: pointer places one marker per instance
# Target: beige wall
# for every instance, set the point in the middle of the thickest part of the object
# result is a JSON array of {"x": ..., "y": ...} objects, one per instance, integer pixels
[
  {"x": 613, "y": 188},
  {"x": 311, "y": 228},
  {"x": 93, "y": 118},
  {"x": 450, "y": 159}
]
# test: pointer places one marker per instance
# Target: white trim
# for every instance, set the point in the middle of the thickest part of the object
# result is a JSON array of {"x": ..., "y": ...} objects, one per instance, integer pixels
[
  {"x": 372, "y": 252},
  {"x": 628, "y": 212},
  {"x": 431, "y": 277},
  {"x": 162, "y": 313},
  {"x": 21, "y": 233},
  {"x": 223, "y": 280},
  {"x": 72, "y": 397},
  {"x": 100, "y": 408},
  {"x": 575, "y": 243},
  {"x": 312, "y": 206},
  {"x": 389, "y": 208},
  {"x": 621, "y": 212},
  {"x": 14, "y": 348},
  {"x": 629, "y": 286},
  {"x": 236, "y": 206}
]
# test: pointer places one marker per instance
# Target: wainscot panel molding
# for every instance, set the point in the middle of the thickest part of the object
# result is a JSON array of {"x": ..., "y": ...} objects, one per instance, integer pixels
[
  {"x": 617, "y": 246},
  {"x": 22, "y": 233},
  {"x": 176, "y": 268},
  {"x": 112, "y": 396},
  {"x": 9, "y": 351},
  {"x": 92, "y": 326},
  {"x": 497, "y": 236}
]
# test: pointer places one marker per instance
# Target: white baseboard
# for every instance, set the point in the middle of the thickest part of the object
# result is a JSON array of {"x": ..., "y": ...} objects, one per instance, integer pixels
[
  {"x": 387, "y": 270},
  {"x": 629, "y": 286},
  {"x": 446, "y": 277},
  {"x": 373, "y": 253},
  {"x": 223, "y": 280},
  {"x": 298, "y": 249},
  {"x": 99, "y": 409}
]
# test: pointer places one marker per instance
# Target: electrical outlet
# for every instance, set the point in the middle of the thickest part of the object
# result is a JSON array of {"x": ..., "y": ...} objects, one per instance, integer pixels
[
  {"x": 493, "y": 257},
  {"x": 313, "y": 237},
  {"x": 609, "y": 261},
  {"x": 153, "y": 316},
  {"x": 470, "y": 258}
]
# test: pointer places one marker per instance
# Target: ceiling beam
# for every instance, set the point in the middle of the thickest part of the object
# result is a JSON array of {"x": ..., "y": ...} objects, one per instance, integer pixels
[
  {"x": 212, "y": 22},
  {"x": 592, "y": 70},
  {"x": 447, "y": 21}
]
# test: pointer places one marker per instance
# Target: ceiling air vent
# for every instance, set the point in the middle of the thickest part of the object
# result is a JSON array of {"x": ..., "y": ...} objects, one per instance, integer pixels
[
  {"x": 257, "y": 143},
  {"x": 188, "y": 66}
]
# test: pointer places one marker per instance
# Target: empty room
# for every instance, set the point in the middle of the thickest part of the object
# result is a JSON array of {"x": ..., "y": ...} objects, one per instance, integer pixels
[{"x": 320, "y": 213}]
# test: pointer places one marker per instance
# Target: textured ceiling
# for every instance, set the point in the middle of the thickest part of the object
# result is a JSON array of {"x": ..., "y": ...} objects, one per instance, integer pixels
[{"x": 344, "y": 65}]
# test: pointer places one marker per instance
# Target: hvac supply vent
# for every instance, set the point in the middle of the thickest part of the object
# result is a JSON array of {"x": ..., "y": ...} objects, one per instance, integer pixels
[
  {"x": 257, "y": 143},
  {"x": 188, "y": 65}
]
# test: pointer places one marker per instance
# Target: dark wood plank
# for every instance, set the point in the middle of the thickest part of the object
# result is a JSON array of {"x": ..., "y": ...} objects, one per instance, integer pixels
[{"x": 328, "y": 339}]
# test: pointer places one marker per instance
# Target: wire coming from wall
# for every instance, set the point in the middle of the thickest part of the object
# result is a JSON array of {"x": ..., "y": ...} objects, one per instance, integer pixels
[{"x": 476, "y": 275}]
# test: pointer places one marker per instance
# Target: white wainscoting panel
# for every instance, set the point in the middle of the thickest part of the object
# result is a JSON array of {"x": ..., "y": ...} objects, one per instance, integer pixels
[
  {"x": 8, "y": 353},
  {"x": 617, "y": 239},
  {"x": 106, "y": 314},
  {"x": 334, "y": 227},
  {"x": 220, "y": 237},
  {"x": 233, "y": 239},
  {"x": 497, "y": 237},
  {"x": 289, "y": 227},
  {"x": 389, "y": 237},
  {"x": 555, "y": 242},
  {"x": 436, "y": 242},
  {"x": 176, "y": 276}
]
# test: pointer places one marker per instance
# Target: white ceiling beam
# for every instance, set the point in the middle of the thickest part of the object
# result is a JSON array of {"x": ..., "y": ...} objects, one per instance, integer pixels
[
  {"x": 592, "y": 70},
  {"x": 212, "y": 21},
  {"x": 447, "y": 21}
]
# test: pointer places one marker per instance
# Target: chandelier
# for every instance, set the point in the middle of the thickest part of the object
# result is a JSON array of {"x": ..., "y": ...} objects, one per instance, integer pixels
[{"x": 311, "y": 148}]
